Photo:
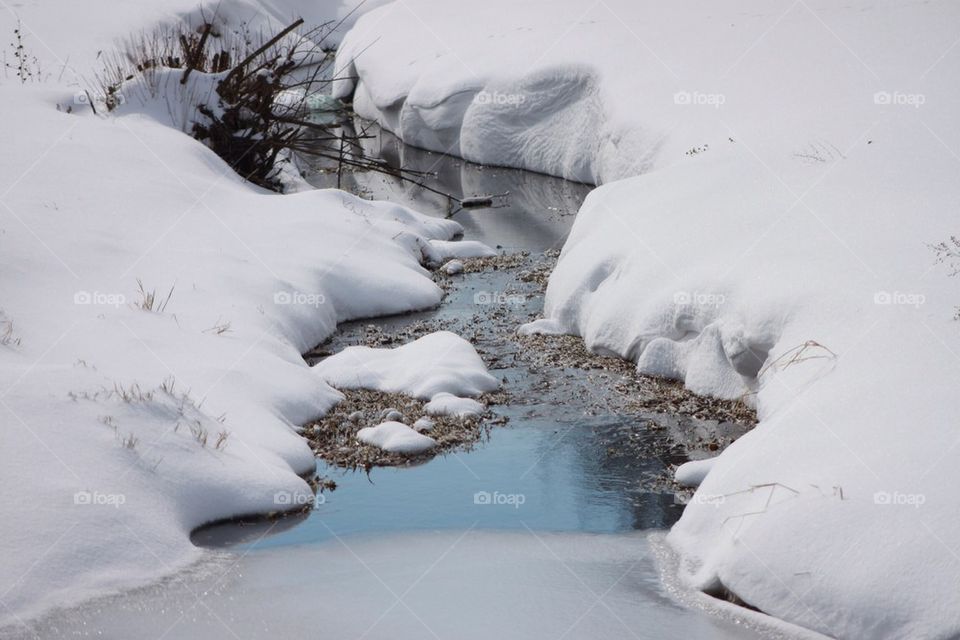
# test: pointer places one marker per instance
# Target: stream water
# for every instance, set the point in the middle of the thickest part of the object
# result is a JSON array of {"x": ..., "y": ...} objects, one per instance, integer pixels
[{"x": 542, "y": 530}]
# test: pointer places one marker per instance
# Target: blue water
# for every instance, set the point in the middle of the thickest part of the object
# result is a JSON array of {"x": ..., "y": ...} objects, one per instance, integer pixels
[{"x": 539, "y": 474}]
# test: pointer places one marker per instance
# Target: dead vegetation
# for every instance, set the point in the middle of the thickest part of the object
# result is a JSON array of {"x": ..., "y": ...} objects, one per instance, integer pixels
[
  {"x": 334, "y": 437},
  {"x": 26, "y": 67},
  {"x": 263, "y": 89},
  {"x": 636, "y": 393},
  {"x": 219, "y": 328},
  {"x": 948, "y": 253},
  {"x": 149, "y": 301},
  {"x": 166, "y": 401},
  {"x": 258, "y": 99},
  {"x": 7, "y": 336}
]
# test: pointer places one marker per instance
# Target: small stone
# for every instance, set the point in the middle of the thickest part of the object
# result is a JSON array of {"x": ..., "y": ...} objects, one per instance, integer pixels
[{"x": 356, "y": 417}]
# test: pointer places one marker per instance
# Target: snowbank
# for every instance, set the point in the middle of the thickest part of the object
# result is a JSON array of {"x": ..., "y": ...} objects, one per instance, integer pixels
[
  {"x": 836, "y": 512},
  {"x": 579, "y": 91},
  {"x": 125, "y": 426},
  {"x": 440, "y": 362},
  {"x": 792, "y": 165}
]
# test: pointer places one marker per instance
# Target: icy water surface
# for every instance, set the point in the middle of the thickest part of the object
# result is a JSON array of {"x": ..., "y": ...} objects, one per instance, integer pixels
[
  {"x": 459, "y": 585},
  {"x": 536, "y": 214},
  {"x": 537, "y": 532}
]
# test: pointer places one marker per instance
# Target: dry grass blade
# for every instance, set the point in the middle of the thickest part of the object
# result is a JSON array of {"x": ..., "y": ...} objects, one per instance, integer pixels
[
  {"x": 809, "y": 350},
  {"x": 149, "y": 300}
]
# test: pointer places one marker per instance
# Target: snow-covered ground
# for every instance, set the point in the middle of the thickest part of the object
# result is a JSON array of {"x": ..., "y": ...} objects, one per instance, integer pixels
[
  {"x": 124, "y": 428},
  {"x": 774, "y": 175}
]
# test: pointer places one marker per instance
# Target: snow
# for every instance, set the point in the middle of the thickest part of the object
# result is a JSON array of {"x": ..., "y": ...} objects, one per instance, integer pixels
[
  {"x": 772, "y": 177},
  {"x": 69, "y": 38},
  {"x": 126, "y": 428},
  {"x": 453, "y": 267},
  {"x": 842, "y": 367},
  {"x": 396, "y": 437},
  {"x": 391, "y": 415},
  {"x": 440, "y": 362},
  {"x": 453, "y": 252},
  {"x": 529, "y": 87},
  {"x": 423, "y": 424},
  {"x": 692, "y": 473},
  {"x": 450, "y": 405},
  {"x": 443, "y": 250}
]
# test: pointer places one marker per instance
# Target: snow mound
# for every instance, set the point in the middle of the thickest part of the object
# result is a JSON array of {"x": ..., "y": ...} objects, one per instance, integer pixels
[
  {"x": 396, "y": 437},
  {"x": 436, "y": 363},
  {"x": 443, "y": 250},
  {"x": 453, "y": 267},
  {"x": 423, "y": 424},
  {"x": 691, "y": 474},
  {"x": 447, "y": 404}
]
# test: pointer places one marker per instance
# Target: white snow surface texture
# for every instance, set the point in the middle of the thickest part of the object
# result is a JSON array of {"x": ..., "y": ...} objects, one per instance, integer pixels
[
  {"x": 124, "y": 428},
  {"x": 774, "y": 173},
  {"x": 438, "y": 363},
  {"x": 396, "y": 437}
]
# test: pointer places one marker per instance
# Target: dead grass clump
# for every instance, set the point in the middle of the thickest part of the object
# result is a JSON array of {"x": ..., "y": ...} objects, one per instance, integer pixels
[
  {"x": 149, "y": 301},
  {"x": 7, "y": 337}
]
